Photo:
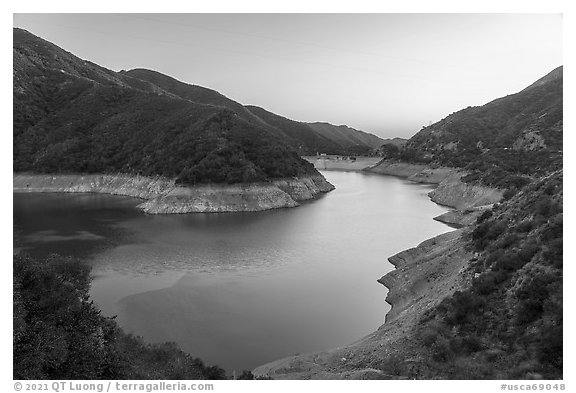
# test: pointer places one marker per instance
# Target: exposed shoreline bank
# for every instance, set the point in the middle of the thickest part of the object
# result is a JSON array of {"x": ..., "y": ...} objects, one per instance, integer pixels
[
  {"x": 422, "y": 277},
  {"x": 450, "y": 190},
  {"x": 163, "y": 196}
]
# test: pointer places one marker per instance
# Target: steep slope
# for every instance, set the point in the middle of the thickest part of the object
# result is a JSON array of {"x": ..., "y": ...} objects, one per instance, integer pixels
[
  {"x": 555, "y": 74},
  {"x": 499, "y": 124},
  {"x": 300, "y": 135},
  {"x": 348, "y": 137},
  {"x": 306, "y": 138},
  {"x": 398, "y": 142},
  {"x": 74, "y": 116},
  {"x": 508, "y": 139},
  {"x": 197, "y": 94}
]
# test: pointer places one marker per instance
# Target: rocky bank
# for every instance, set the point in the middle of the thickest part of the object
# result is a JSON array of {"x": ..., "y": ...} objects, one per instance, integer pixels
[{"x": 162, "y": 195}]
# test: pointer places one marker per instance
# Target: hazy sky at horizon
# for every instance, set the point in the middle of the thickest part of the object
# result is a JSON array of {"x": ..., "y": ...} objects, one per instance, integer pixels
[{"x": 388, "y": 74}]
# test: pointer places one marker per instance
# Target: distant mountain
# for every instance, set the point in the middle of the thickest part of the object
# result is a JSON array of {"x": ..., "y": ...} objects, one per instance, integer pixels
[
  {"x": 298, "y": 134},
  {"x": 390, "y": 147},
  {"x": 347, "y": 137},
  {"x": 197, "y": 94},
  {"x": 518, "y": 135},
  {"x": 72, "y": 115},
  {"x": 306, "y": 138},
  {"x": 398, "y": 142},
  {"x": 528, "y": 120}
]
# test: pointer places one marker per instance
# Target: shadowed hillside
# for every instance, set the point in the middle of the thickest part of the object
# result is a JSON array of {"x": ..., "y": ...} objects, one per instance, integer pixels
[
  {"x": 300, "y": 135},
  {"x": 349, "y": 138},
  {"x": 197, "y": 94},
  {"x": 74, "y": 116}
]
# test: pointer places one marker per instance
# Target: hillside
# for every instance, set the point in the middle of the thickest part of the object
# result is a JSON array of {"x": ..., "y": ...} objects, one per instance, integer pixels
[
  {"x": 197, "y": 94},
  {"x": 505, "y": 321},
  {"x": 298, "y": 134},
  {"x": 502, "y": 143},
  {"x": 390, "y": 147},
  {"x": 348, "y": 137},
  {"x": 308, "y": 138},
  {"x": 74, "y": 116}
]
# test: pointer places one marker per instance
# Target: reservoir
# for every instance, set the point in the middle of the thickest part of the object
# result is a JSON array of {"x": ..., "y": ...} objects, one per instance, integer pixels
[{"x": 239, "y": 289}]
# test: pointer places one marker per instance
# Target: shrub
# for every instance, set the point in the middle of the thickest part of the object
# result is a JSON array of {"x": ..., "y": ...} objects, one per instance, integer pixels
[
  {"x": 486, "y": 214},
  {"x": 441, "y": 350},
  {"x": 429, "y": 337}
]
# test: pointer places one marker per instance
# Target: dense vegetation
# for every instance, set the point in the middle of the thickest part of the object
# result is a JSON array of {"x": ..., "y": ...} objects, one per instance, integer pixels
[
  {"x": 503, "y": 144},
  {"x": 60, "y": 334},
  {"x": 71, "y": 116},
  {"x": 300, "y": 135},
  {"x": 74, "y": 116},
  {"x": 508, "y": 323},
  {"x": 354, "y": 140}
]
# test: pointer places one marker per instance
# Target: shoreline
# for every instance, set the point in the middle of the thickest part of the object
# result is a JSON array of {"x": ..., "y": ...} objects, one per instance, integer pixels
[
  {"x": 408, "y": 284},
  {"x": 422, "y": 277},
  {"x": 162, "y": 196}
]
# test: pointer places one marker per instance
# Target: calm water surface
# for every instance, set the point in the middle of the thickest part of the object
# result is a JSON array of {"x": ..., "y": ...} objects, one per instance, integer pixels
[{"x": 239, "y": 289}]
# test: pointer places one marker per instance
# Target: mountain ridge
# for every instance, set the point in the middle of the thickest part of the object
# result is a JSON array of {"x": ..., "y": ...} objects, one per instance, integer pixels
[
  {"x": 305, "y": 137},
  {"x": 72, "y": 115}
]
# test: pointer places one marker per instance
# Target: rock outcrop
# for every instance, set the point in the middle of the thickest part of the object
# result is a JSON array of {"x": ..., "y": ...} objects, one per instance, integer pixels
[
  {"x": 454, "y": 193},
  {"x": 460, "y": 218},
  {"x": 163, "y": 196}
]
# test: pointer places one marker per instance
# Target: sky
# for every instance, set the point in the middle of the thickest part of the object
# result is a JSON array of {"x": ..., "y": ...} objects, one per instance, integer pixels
[{"x": 388, "y": 74}]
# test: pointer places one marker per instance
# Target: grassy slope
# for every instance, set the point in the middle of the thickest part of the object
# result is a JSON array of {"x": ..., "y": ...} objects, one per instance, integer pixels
[{"x": 508, "y": 323}]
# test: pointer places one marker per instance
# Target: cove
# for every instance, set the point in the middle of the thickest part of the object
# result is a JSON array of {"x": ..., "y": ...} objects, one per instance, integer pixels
[{"x": 239, "y": 289}]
